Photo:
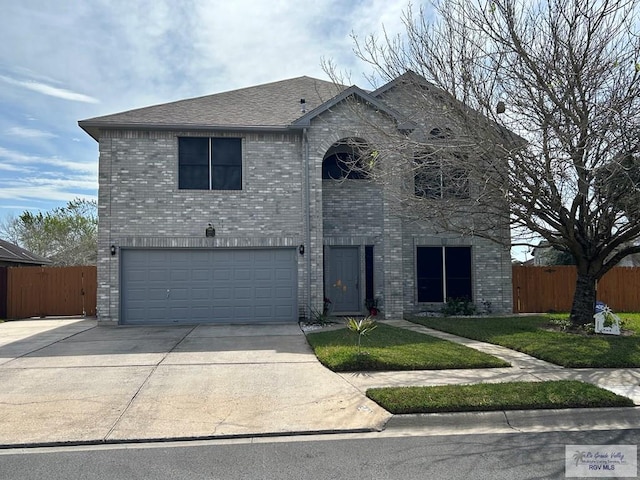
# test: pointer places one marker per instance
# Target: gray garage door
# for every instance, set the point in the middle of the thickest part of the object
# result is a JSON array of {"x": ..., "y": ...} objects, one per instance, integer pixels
[{"x": 208, "y": 286}]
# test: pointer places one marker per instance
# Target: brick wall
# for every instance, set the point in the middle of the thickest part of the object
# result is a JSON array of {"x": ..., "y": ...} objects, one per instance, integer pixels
[{"x": 140, "y": 203}]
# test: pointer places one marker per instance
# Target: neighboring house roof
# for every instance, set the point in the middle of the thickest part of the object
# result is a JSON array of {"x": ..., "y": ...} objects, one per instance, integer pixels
[
  {"x": 10, "y": 253},
  {"x": 270, "y": 106}
]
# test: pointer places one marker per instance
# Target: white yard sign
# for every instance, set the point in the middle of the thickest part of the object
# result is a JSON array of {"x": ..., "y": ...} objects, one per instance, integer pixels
[{"x": 606, "y": 321}]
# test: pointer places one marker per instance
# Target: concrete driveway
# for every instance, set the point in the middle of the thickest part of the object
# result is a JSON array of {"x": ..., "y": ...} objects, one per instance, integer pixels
[{"x": 67, "y": 380}]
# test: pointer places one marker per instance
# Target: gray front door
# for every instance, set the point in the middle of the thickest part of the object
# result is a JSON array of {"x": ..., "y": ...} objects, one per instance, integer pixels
[
  {"x": 343, "y": 287},
  {"x": 187, "y": 286}
]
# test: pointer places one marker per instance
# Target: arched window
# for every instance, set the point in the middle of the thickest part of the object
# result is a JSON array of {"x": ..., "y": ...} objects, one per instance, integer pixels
[{"x": 344, "y": 161}]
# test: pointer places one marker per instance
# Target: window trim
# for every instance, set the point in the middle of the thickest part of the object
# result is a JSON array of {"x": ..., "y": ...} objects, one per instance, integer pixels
[{"x": 211, "y": 165}]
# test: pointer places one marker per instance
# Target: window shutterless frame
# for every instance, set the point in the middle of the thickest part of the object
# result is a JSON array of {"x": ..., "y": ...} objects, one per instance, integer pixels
[
  {"x": 209, "y": 163},
  {"x": 443, "y": 273}
]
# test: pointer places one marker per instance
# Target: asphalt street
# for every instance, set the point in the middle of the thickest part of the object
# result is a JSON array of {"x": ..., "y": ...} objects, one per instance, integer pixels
[{"x": 377, "y": 456}]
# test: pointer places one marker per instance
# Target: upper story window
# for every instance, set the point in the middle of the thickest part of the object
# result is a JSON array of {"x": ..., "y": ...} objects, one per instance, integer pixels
[
  {"x": 434, "y": 177},
  {"x": 209, "y": 163},
  {"x": 341, "y": 165},
  {"x": 344, "y": 160}
]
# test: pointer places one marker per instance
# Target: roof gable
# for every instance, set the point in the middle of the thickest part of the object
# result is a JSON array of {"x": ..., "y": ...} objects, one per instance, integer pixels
[{"x": 354, "y": 91}]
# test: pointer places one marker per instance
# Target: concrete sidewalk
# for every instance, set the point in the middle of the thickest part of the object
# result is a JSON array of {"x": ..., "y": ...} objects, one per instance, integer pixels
[
  {"x": 67, "y": 381},
  {"x": 623, "y": 381}
]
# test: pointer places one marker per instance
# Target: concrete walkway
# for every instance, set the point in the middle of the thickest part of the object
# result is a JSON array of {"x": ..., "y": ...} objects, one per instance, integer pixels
[
  {"x": 67, "y": 381},
  {"x": 623, "y": 381}
]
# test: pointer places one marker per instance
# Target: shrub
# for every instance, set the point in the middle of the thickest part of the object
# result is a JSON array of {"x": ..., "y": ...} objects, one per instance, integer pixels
[{"x": 458, "y": 306}]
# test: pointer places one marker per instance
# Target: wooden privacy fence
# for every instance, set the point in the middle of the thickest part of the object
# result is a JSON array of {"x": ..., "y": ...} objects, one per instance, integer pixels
[
  {"x": 48, "y": 291},
  {"x": 551, "y": 288}
]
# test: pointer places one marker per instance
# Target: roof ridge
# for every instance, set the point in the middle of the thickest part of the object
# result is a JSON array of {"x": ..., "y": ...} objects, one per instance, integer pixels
[{"x": 274, "y": 105}]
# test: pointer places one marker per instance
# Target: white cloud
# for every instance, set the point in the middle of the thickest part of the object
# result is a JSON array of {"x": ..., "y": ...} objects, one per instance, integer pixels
[
  {"x": 39, "y": 192},
  {"x": 30, "y": 133},
  {"x": 14, "y": 157},
  {"x": 7, "y": 167},
  {"x": 49, "y": 90},
  {"x": 133, "y": 54},
  {"x": 82, "y": 183}
]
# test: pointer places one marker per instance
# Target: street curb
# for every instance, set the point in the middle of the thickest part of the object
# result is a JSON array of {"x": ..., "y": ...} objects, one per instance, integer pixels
[
  {"x": 519, "y": 421},
  {"x": 159, "y": 440},
  {"x": 431, "y": 424}
]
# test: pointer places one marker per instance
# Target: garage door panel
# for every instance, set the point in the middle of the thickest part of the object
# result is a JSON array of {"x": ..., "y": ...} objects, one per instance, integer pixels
[
  {"x": 154, "y": 294},
  {"x": 283, "y": 274},
  {"x": 200, "y": 293},
  {"x": 263, "y": 292},
  {"x": 243, "y": 274},
  {"x": 179, "y": 274},
  {"x": 242, "y": 293},
  {"x": 221, "y": 273},
  {"x": 200, "y": 274},
  {"x": 283, "y": 311},
  {"x": 220, "y": 294},
  {"x": 264, "y": 274},
  {"x": 208, "y": 286},
  {"x": 283, "y": 292}
]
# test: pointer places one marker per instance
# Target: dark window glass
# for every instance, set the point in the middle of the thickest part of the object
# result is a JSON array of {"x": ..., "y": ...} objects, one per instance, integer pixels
[
  {"x": 432, "y": 278},
  {"x": 458, "y": 272},
  {"x": 209, "y": 163},
  {"x": 368, "y": 268},
  {"x": 434, "y": 178},
  {"x": 226, "y": 164},
  {"x": 193, "y": 159},
  {"x": 428, "y": 179},
  {"x": 342, "y": 165},
  {"x": 429, "y": 273},
  {"x": 455, "y": 183}
]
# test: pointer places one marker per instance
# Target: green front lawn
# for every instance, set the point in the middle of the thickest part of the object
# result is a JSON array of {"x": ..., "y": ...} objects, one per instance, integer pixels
[
  {"x": 535, "y": 336},
  {"x": 391, "y": 348},
  {"x": 495, "y": 396}
]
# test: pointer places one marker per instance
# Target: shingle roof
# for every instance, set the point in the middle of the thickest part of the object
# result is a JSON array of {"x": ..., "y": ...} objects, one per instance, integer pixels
[
  {"x": 272, "y": 105},
  {"x": 12, "y": 253}
]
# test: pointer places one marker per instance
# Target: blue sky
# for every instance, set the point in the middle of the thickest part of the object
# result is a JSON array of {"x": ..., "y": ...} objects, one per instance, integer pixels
[{"x": 66, "y": 60}]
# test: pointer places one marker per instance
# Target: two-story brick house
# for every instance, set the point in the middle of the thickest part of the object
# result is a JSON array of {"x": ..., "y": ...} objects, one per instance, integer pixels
[{"x": 264, "y": 167}]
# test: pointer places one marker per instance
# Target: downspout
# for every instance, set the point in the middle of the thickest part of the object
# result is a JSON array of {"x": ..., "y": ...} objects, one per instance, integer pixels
[{"x": 307, "y": 220}]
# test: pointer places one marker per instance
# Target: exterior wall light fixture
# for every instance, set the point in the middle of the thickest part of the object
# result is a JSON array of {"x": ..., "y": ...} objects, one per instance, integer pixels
[
  {"x": 301, "y": 249},
  {"x": 210, "y": 231},
  {"x": 113, "y": 250}
]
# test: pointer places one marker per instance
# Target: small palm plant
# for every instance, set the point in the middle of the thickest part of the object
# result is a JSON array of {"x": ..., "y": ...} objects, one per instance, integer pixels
[{"x": 361, "y": 326}]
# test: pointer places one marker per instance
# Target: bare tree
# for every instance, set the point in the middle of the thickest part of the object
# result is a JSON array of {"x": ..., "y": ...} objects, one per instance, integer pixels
[{"x": 530, "y": 108}]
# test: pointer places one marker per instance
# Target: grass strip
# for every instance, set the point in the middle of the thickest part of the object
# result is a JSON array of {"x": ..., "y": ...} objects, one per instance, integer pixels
[
  {"x": 392, "y": 348},
  {"x": 535, "y": 336},
  {"x": 495, "y": 396}
]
